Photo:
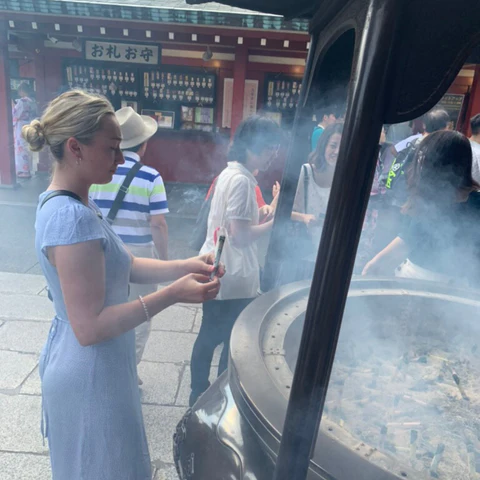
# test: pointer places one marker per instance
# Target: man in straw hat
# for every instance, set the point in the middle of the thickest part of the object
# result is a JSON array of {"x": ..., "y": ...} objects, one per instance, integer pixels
[{"x": 135, "y": 203}]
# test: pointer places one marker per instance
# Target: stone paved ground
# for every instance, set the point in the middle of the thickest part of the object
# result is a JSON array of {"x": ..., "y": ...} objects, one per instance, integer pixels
[{"x": 25, "y": 314}]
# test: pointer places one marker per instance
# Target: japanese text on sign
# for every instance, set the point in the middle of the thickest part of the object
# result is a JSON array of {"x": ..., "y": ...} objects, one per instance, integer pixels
[
  {"x": 250, "y": 98},
  {"x": 122, "y": 52},
  {"x": 453, "y": 104}
]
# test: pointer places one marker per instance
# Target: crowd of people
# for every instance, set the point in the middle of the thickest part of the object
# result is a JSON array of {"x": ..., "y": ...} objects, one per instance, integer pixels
[
  {"x": 434, "y": 202},
  {"x": 101, "y": 240},
  {"x": 424, "y": 202},
  {"x": 438, "y": 240}
]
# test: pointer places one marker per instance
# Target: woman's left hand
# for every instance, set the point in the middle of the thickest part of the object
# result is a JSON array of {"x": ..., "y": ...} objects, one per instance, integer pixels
[{"x": 203, "y": 264}]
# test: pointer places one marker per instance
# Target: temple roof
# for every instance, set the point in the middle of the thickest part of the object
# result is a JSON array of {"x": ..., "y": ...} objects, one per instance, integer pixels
[{"x": 165, "y": 11}]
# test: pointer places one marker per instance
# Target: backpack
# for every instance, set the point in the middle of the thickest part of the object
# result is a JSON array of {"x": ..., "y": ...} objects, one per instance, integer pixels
[
  {"x": 395, "y": 182},
  {"x": 199, "y": 233}
]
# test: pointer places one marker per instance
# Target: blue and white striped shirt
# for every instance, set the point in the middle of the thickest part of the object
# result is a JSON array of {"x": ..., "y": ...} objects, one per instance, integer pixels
[{"x": 146, "y": 196}]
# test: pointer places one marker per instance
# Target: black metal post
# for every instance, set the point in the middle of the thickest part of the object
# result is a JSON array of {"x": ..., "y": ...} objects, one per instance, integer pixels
[{"x": 341, "y": 233}]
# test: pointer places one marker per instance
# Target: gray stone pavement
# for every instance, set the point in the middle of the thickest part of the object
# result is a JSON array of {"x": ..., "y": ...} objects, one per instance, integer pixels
[{"x": 25, "y": 315}]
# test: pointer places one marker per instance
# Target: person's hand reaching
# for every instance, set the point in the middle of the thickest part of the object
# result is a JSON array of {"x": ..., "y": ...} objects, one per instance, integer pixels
[
  {"x": 310, "y": 220},
  {"x": 275, "y": 189}
]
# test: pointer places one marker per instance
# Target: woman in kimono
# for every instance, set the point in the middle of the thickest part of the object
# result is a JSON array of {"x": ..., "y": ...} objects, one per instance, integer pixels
[{"x": 24, "y": 111}]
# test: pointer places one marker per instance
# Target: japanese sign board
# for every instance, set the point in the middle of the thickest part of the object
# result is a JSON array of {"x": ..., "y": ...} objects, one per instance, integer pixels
[
  {"x": 250, "y": 98},
  {"x": 227, "y": 103},
  {"x": 144, "y": 54},
  {"x": 453, "y": 104}
]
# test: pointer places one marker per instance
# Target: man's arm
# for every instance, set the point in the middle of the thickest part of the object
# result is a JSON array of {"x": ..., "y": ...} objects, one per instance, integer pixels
[
  {"x": 158, "y": 224},
  {"x": 159, "y": 228}
]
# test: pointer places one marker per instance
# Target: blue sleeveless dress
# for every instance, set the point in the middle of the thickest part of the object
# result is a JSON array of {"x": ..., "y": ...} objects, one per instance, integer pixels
[{"x": 92, "y": 414}]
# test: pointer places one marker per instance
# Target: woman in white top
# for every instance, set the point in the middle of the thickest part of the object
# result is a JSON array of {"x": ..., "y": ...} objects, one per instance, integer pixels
[
  {"x": 234, "y": 210},
  {"x": 311, "y": 204}
]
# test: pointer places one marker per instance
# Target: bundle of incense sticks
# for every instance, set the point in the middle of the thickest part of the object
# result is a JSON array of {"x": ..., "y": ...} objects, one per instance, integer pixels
[
  {"x": 403, "y": 424},
  {"x": 383, "y": 436},
  {"x": 472, "y": 464},
  {"x": 436, "y": 460},
  {"x": 218, "y": 254},
  {"x": 456, "y": 379},
  {"x": 413, "y": 445}
]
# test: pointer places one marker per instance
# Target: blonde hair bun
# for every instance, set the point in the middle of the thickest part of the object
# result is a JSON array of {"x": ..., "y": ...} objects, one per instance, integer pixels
[
  {"x": 34, "y": 135},
  {"x": 73, "y": 114}
]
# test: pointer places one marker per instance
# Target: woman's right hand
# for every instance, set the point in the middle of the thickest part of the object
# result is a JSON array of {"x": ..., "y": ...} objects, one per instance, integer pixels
[
  {"x": 194, "y": 288},
  {"x": 309, "y": 220}
]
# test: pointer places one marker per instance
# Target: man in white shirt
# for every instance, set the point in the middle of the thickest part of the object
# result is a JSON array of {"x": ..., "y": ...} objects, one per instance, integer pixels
[
  {"x": 140, "y": 221},
  {"x": 475, "y": 141},
  {"x": 403, "y": 144},
  {"x": 434, "y": 121},
  {"x": 396, "y": 132}
]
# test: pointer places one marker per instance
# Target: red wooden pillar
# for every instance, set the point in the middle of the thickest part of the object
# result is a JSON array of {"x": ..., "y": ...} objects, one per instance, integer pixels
[
  {"x": 239, "y": 76},
  {"x": 42, "y": 100},
  {"x": 474, "y": 101},
  {"x": 7, "y": 159}
]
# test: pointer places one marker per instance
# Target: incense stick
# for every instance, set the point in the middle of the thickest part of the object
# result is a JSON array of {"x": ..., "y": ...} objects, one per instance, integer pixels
[
  {"x": 436, "y": 460},
  {"x": 218, "y": 254},
  {"x": 413, "y": 446},
  {"x": 456, "y": 379}
]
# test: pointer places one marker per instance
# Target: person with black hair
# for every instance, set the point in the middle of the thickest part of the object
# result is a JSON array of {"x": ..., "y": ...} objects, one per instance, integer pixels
[
  {"x": 395, "y": 184},
  {"x": 234, "y": 213},
  {"x": 313, "y": 190},
  {"x": 475, "y": 142},
  {"x": 433, "y": 121},
  {"x": 440, "y": 242},
  {"x": 436, "y": 120},
  {"x": 24, "y": 111},
  {"x": 325, "y": 116}
]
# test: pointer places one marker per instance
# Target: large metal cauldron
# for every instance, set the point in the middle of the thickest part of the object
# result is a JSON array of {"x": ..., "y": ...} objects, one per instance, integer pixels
[{"x": 403, "y": 401}]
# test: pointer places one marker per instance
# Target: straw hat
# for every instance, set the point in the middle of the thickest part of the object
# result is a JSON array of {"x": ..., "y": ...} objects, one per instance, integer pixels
[{"x": 136, "y": 129}]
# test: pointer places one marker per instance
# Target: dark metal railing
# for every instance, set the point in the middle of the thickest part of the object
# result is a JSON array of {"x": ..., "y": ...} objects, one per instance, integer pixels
[{"x": 341, "y": 232}]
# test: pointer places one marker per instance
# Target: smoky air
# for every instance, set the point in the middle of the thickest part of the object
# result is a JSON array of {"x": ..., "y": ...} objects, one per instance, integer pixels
[{"x": 404, "y": 381}]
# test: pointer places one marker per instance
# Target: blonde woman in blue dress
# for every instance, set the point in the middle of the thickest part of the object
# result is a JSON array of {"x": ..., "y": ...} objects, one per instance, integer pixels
[{"x": 91, "y": 402}]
